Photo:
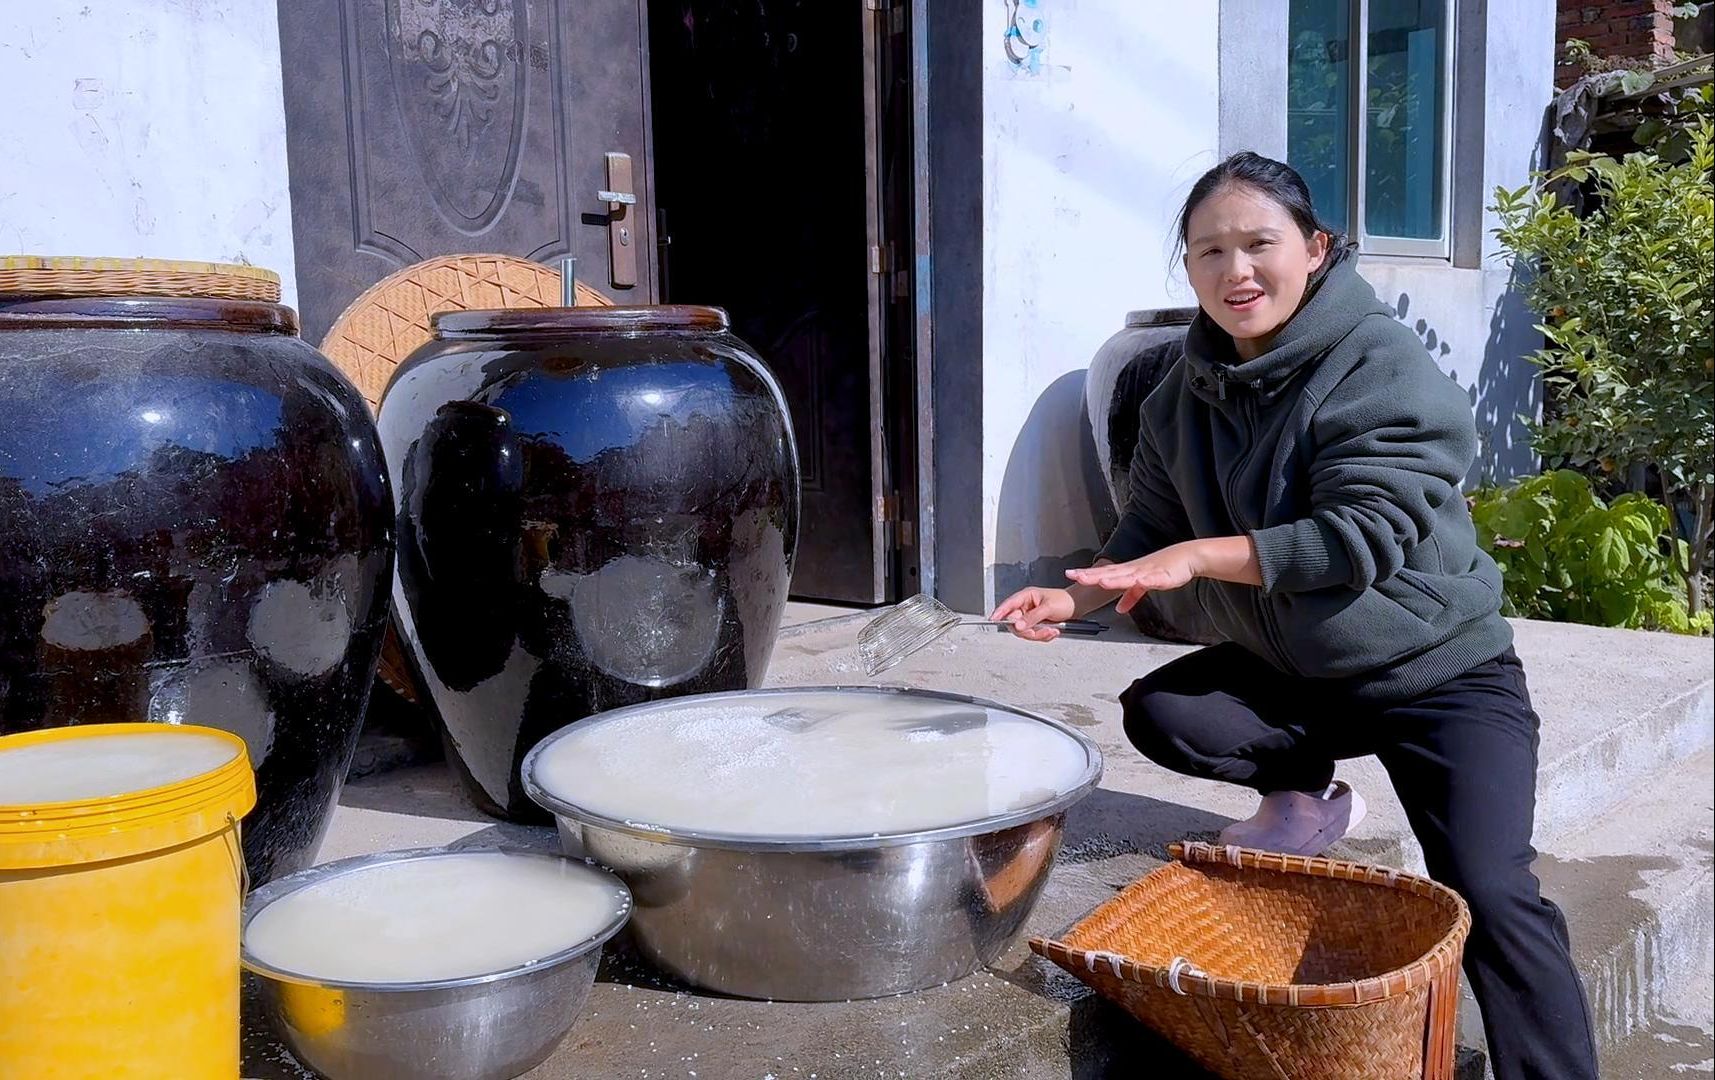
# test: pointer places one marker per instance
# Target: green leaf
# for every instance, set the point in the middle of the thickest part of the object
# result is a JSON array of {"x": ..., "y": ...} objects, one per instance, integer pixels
[
  {"x": 1618, "y": 607},
  {"x": 1649, "y": 131},
  {"x": 1517, "y": 519},
  {"x": 1635, "y": 82},
  {"x": 1571, "y": 490}
]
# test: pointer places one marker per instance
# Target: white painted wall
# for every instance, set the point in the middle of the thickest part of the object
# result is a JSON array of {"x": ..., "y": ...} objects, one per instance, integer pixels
[
  {"x": 144, "y": 128},
  {"x": 1095, "y": 126}
]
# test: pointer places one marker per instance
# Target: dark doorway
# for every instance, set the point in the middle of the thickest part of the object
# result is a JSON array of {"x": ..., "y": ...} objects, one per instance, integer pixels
[{"x": 781, "y": 150}]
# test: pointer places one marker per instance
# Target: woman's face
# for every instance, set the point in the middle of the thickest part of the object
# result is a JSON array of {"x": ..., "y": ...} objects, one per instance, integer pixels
[{"x": 1249, "y": 264}]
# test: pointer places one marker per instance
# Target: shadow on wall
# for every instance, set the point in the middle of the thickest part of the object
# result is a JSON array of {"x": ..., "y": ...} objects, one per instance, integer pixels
[
  {"x": 1052, "y": 497},
  {"x": 1509, "y": 391},
  {"x": 1504, "y": 389}
]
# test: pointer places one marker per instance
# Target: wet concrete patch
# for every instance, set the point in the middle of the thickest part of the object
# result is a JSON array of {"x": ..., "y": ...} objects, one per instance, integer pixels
[
  {"x": 1081, "y": 716},
  {"x": 1615, "y": 942}
]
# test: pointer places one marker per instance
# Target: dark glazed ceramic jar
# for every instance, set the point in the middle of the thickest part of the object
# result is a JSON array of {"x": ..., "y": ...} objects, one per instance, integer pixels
[
  {"x": 195, "y": 527},
  {"x": 1122, "y": 373},
  {"x": 597, "y": 507}
]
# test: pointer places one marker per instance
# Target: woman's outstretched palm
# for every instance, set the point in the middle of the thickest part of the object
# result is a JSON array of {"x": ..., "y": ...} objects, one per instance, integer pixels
[{"x": 1170, "y": 568}]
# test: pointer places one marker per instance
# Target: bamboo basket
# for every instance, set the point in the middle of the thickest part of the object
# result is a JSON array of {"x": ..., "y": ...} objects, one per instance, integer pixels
[
  {"x": 36, "y": 275},
  {"x": 1263, "y": 966},
  {"x": 392, "y": 318}
]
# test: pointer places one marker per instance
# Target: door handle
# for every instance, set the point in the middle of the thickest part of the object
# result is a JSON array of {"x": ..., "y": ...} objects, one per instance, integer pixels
[{"x": 621, "y": 235}]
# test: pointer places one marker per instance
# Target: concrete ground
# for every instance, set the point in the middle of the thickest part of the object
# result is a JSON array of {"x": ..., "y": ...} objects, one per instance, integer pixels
[
  {"x": 1625, "y": 817},
  {"x": 801, "y": 614}
]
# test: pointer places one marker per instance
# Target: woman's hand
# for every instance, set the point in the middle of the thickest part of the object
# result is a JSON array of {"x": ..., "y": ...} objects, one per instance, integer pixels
[
  {"x": 1170, "y": 568},
  {"x": 1027, "y": 607},
  {"x": 1224, "y": 558}
]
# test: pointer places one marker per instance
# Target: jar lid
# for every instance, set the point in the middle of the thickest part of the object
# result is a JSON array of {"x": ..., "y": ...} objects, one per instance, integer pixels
[
  {"x": 36, "y": 275},
  {"x": 579, "y": 320},
  {"x": 1178, "y": 316}
]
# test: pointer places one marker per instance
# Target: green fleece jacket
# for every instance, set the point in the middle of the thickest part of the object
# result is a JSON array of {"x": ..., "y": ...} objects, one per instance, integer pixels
[{"x": 1340, "y": 452}]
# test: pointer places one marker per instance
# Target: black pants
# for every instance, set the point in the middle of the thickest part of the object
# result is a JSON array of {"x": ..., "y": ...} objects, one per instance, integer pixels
[{"x": 1462, "y": 758}]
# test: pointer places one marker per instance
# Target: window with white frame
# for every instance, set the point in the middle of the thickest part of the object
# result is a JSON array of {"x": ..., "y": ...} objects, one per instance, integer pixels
[{"x": 1369, "y": 118}]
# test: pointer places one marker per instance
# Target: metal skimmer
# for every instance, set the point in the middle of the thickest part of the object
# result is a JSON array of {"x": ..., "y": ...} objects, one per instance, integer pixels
[{"x": 912, "y": 625}]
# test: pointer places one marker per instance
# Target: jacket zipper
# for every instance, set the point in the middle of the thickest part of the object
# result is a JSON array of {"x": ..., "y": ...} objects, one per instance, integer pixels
[{"x": 1265, "y": 612}]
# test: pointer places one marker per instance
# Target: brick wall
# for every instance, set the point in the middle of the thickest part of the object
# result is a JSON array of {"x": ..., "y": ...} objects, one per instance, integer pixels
[{"x": 1636, "y": 29}]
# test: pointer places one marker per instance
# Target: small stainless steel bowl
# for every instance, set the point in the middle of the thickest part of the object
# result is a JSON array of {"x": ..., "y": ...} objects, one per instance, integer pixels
[
  {"x": 483, "y": 1027},
  {"x": 825, "y": 919}
]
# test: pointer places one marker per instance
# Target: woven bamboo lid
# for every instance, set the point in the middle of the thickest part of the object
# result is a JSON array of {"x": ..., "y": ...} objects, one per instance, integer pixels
[
  {"x": 391, "y": 319},
  {"x": 37, "y": 275}
]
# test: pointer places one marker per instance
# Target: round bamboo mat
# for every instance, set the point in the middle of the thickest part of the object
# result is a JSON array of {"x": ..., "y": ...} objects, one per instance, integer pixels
[
  {"x": 391, "y": 318},
  {"x": 38, "y": 275}
]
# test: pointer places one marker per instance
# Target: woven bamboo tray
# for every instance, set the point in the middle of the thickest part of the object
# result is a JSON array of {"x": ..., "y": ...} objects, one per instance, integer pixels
[
  {"x": 390, "y": 319},
  {"x": 1263, "y": 966},
  {"x": 36, "y": 275}
]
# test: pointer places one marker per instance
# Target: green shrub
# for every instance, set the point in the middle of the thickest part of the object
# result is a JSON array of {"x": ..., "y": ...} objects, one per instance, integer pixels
[
  {"x": 1567, "y": 556},
  {"x": 1627, "y": 296}
]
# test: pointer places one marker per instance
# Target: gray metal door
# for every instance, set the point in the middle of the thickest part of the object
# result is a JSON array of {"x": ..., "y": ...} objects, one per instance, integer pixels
[{"x": 418, "y": 128}]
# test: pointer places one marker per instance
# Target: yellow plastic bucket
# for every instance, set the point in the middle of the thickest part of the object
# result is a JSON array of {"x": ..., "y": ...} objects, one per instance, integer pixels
[{"x": 119, "y": 919}]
